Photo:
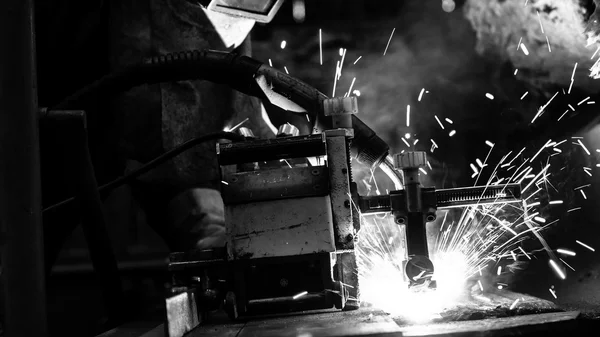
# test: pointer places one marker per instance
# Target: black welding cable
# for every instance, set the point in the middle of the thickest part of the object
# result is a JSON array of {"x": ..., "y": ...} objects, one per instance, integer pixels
[
  {"x": 215, "y": 66},
  {"x": 156, "y": 162},
  {"x": 238, "y": 72}
]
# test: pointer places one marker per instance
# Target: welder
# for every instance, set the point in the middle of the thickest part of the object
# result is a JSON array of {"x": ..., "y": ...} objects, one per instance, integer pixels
[{"x": 180, "y": 198}]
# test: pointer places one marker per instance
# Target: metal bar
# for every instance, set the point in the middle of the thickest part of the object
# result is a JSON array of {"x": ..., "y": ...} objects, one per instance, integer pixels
[
  {"x": 94, "y": 228},
  {"x": 21, "y": 240},
  {"x": 339, "y": 182},
  {"x": 416, "y": 235},
  {"x": 375, "y": 204},
  {"x": 271, "y": 149},
  {"x": 478, "y": 195}
]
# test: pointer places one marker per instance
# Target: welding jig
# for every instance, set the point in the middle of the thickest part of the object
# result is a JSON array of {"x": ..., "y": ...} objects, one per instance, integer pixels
[{"x": 293, "y": 218}]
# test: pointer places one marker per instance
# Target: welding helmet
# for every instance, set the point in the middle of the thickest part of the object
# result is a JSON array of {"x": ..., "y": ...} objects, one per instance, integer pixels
[{"x": 234, "y": 19}]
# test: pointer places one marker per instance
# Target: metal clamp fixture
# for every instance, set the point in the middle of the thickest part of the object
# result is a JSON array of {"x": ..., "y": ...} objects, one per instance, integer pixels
[
  {"x": 415, "y": 206},
  {"x": 341, "y": 109},
  {"x": 410, "y": 211}
]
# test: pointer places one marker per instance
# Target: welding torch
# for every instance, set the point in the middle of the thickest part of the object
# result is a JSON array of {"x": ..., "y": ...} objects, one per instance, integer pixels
[{"x": 247, "y": 76}]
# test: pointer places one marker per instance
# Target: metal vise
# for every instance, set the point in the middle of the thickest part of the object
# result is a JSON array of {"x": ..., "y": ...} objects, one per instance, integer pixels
[{"x": 292, "y": 219}]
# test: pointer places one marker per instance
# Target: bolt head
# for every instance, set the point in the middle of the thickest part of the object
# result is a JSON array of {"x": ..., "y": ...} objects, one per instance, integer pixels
[{"x": 287, "y": 130}]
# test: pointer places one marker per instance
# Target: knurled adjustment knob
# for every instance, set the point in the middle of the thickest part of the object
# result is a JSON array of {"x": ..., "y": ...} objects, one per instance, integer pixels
[
  {"x": 410, "y": 160},
  {"x": 341, "y": 110},
  {"x": 246, "y": 132}
]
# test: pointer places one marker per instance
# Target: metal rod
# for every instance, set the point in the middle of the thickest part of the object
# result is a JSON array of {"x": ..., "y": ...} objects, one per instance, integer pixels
[
  {"x": 94, "y": 228},
  {"x": 20, "y": 183}
]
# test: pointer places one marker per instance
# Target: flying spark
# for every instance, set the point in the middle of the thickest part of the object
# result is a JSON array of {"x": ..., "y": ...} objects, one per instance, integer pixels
[
  {"x": 452, "y": 133},
  {"x": 283, "y": 44},
  {"x": 566, "y": 264},
  {"x": 321, "y": 47},
  {"x": 525, "y": 94},
  {"x": 351, "y": 85},
  {"x": 540, "y": 21},
  {"x": 563, "y": 115},
  {"x": 439, "y": 122},
  {"x": 585, "y": 246},
  {"x": 543, "y": 107},
  {"x": 583, "y": 146},
  {"x": 405, "y": 142},
  {"x": 297, "y": 296},
  {"x": 357, "y": 59},
  {"x": 421, "y": 94},
  {"x": 490, "y": 96},
  {"x": 388, "y": 43},
  {"x": 557, "y": 269},
  {"x": 408, "y": 115},
  {"x": 566, "y": 252},
  {"x": 524, "y": 49},
  {"x": 596, "y": 52},
  {"x": 449, "y": 120},
  {"x": 583, "y": 101},
  {"x": 572, "y": 78}
]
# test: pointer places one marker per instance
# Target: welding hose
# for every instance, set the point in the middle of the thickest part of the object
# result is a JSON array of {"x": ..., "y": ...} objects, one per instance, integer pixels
[
  {"x": 239, "y": 73},
  {"x": 107, "y": 188}
]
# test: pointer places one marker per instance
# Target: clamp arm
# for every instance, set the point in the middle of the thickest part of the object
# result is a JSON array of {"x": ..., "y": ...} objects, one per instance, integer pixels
[{"x": 415, "y": 206}]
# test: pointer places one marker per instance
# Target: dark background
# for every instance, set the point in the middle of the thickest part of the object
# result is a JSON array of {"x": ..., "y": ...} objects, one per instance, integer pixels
[{"x": 456, "y": 56}]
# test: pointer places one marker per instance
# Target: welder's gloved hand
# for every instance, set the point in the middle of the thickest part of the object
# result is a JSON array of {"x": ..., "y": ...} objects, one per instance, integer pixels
[{"x": 199, "y": 216}]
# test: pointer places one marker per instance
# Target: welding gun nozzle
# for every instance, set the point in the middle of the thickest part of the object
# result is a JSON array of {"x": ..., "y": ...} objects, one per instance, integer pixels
[{"x": 419, "y": 270}]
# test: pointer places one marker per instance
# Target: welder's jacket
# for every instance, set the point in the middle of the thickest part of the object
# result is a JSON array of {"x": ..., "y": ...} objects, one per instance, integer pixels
[{"x": 178, "y": 197}]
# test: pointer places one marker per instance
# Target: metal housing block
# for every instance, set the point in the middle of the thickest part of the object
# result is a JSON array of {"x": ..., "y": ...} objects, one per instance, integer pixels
[{"x": 288, "y": 227}]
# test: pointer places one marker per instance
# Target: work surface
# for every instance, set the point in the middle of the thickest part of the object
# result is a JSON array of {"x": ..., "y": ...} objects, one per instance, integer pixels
[{"x": 489, "y": 315}]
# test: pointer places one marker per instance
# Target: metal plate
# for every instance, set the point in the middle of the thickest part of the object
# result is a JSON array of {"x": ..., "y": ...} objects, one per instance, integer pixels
[
  {"x": 341, "y": 203},
  {"x": 275, "y": 184},
  {"x": 365, "y": 322},
  {"x": 287, "y": 227},
  {"x": 182, "y": 314},
  {"x": 507, "y": 326}
]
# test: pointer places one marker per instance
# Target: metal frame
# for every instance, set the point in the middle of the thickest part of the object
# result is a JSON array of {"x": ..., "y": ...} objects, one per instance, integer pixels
[{"x": 21, "y": 244}]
